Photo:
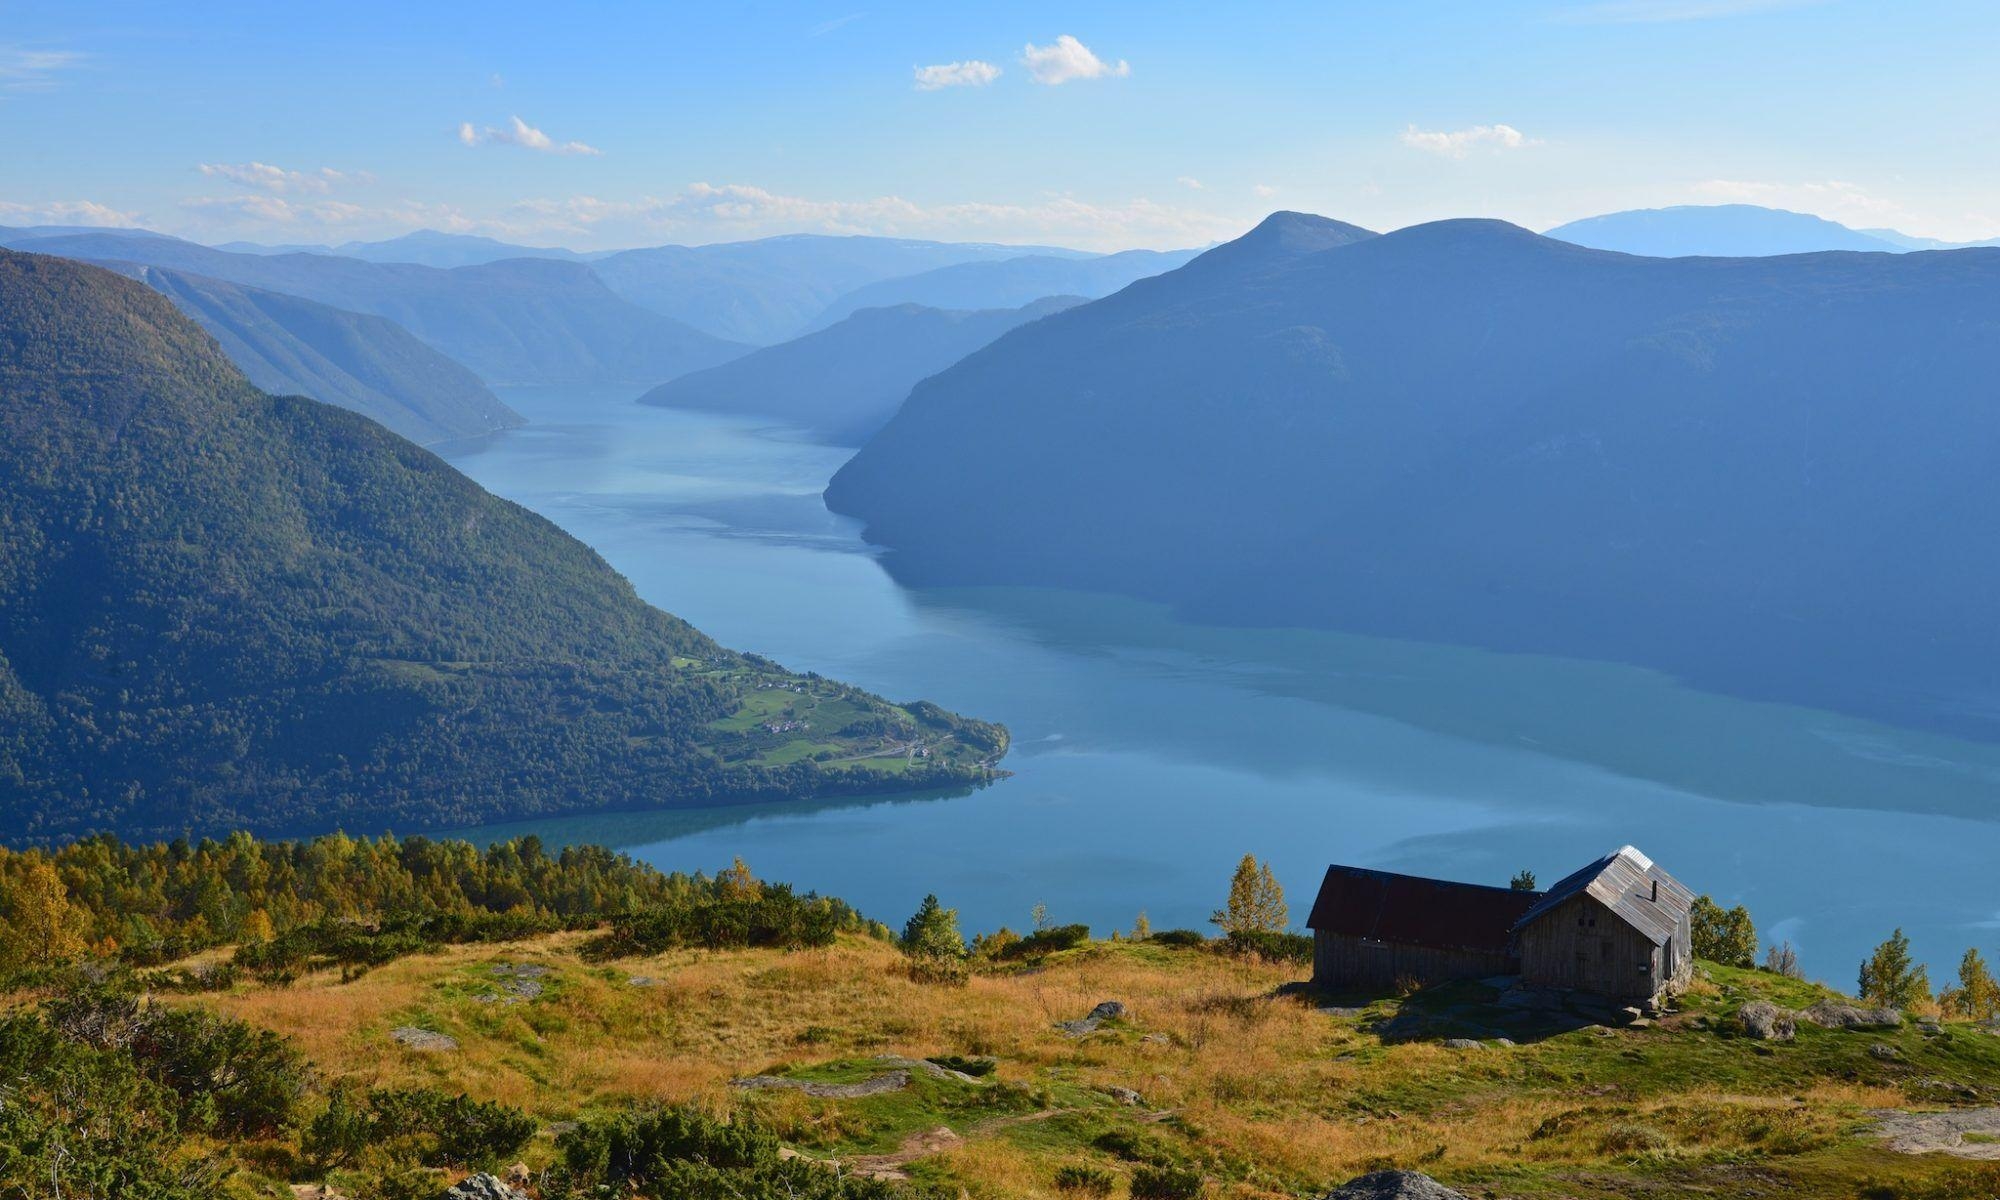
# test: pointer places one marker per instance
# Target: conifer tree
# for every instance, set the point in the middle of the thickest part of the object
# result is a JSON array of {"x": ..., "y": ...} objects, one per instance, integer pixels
[
  {"x": 1889, "y": 977},
  {"x": 1256, "y": 901}
]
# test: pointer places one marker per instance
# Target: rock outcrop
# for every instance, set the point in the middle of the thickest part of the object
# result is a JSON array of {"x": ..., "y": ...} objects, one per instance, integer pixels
[{"x": 1394, "y": 1185}]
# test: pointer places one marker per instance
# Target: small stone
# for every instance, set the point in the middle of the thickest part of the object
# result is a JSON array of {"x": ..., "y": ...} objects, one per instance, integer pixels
[
  {"x": 1109, "y": 1010},
  {"x": 427, "y": 1040},
  {"x": 1883, "y": 1050},
  {"x": 1463, "y": 1044},
  {"x": 1125, "y": 1096},
  {"x": 482, "y": 1187},
  {"x": 1507, "y": 1042}
]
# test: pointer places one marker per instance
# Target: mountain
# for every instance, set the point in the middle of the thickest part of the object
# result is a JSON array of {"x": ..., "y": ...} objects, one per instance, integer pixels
[
  {"x": 221, "y": 609},
  {"x": 430, "y": 248},
  {"x": 370, "y": 365},
  {"x": 1718, "y": 231},
  {"x": 1907, "y": 242},
  {"x": 1772, "y": 475},
  {"x": 1009, "y": 283},
  {"x": 768, "y": 290},
  {"x": 519, "y": 321},
  {"x": 844, "y": 383}
]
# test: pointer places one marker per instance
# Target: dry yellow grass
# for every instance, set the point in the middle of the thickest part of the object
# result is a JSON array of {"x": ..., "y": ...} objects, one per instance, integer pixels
[{"x": 1273, "y": 1094}]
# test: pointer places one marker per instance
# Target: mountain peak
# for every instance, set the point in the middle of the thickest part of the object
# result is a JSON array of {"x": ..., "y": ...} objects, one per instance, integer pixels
[{"x": 1280, "y": 237}]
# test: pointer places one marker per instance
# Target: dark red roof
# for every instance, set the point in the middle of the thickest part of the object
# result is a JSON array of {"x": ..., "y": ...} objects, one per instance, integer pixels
[{"x": 1387, "y": 907}]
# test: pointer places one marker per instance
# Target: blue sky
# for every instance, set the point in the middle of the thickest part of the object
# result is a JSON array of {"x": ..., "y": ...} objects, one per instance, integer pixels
[{"x": 1105, "y": 126}]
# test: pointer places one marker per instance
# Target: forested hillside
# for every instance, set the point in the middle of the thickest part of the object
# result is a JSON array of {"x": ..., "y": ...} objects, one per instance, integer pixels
[
  {"x": 291, "y": 346},
  {"x": 1770, "y": 474},
  {"x": 843, "y": 383},
  {"x": 224, "y": 609},
  {"x": 518, "y": 321}
]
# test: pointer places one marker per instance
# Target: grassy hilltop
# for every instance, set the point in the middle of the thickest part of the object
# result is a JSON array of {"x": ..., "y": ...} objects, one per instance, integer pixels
[{"x": 551, "y": 1010}]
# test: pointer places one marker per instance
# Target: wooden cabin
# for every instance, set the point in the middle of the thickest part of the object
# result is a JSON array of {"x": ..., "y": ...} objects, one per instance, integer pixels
[
  {"x": 1618, "y": 928},
  {"x": 1378, "y": 929}
]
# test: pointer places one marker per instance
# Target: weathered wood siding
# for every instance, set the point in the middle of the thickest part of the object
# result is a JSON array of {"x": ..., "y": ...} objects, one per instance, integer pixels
[
  {"x": 1345, "y": 961},
  {"x": 1580, "y": 944}
]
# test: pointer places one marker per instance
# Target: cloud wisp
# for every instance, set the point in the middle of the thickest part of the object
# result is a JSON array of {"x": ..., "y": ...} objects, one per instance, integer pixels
[
  {"x": 277, "y": 180},
  {"x": 1066, "y": 60},
  {"x": 25, "y": 70},
  {"x": 1458, "y": 143},
  {"x": 66, "y": 212},
  {"x": 519, "y": 133},
  {"x": 970, "y": 73}
]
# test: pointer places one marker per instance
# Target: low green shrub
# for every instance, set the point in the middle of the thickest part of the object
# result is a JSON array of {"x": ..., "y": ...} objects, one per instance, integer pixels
[{"x": 1090, "y": 1181}]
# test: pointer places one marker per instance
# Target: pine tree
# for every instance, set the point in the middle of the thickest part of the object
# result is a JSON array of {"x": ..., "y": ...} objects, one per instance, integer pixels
[
  {"x": 1256, "y": 901},
  {"x": 932, "y": 932},
  {"x": 1523, "y": 881},
  {"x": 1977, "y": 996},
  {"x": 1891, "y": 979}
]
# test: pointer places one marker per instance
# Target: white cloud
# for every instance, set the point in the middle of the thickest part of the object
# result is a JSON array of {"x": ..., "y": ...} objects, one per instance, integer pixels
[
  {"x": 23, "y": 70},
  {"x": 278, "y": 180},
  {"x": 1067, "y": 59},
  {"x": 1264, "y": 191},
  {"x": 520, "y": 133},
  {"x": 65, "y": 212},
  {"x": 1457, "y": 143},
  {"x": 1191, "y": 183},
  {"x": 970, "y": 73},
  {"x": 707, "y": 212}
]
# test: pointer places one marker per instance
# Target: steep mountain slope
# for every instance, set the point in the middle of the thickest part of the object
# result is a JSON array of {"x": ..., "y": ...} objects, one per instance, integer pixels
[
  {"x": 519, "y": 321},
  {"x": 1773, "y": 474},
  {"x": 844, "y": 383},
  {"x": 371, "y": 365},
  {"x": 1717, "y": 231},
  {"x": 767, "y": 290},
  {"x": 1009, "y": 283},
  {"x": 224, "y": 609}
]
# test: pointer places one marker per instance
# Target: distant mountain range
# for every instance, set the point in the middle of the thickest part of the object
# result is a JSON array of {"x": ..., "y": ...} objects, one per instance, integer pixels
[
  {"x": 226, "y": 610},
  {"x": 1769, "y": 474},
  {"x": 773, "y": 289},
  {"x": 1007, "y": 283},
  {"x": 517, "y": 321},
  {"x": 1734, "y": 231},
  {"x": 290, "y": 346},
  {"x": 843, "y": 383}
]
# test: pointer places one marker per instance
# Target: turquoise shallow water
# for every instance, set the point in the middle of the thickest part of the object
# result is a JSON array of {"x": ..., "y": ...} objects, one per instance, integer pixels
[{"x": 1150, "y": 754}]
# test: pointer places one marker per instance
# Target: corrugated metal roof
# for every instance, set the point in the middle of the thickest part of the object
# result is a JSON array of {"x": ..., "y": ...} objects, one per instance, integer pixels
[
  {"x": 1622, "y": 881},
  {"x": 1388, "y": 907}
]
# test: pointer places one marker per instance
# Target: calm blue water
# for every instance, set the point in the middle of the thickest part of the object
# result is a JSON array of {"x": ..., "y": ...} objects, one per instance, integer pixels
[{"x": 1150, "y": 755}]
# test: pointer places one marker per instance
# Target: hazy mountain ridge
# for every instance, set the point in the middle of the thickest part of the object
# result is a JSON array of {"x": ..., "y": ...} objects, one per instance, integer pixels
[
  {"x": 1734, "y": 231},
  {"x": 1763, "y": 472},
  {"x": 1008, "y": 283},
  {"x": 221, "y": 609},
  {"x": 772, "y": 289},
  {"x": 844, "y": 382},
  {"x": 370, "y": 365},
  {"x": 517, "y": 321}
]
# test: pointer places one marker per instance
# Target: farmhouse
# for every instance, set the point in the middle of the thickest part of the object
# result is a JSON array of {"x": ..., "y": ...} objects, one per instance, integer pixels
[
  {"x": 1377, "y": 929},
  {"x": 1617, "y": 928}
]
